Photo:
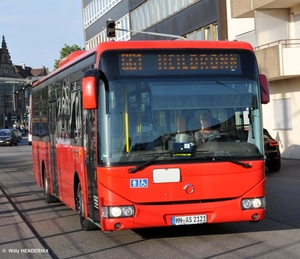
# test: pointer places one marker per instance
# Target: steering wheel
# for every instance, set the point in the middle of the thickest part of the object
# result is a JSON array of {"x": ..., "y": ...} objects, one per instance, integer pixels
[{"x": 222, "y": 137}]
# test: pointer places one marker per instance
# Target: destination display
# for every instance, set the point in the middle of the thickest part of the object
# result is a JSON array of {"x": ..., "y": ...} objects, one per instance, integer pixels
[{"x": 179, "y": 63}]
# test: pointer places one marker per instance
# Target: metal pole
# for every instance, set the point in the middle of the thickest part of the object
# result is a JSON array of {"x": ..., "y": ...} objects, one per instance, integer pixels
[
  {"x": 5, "y": 117},
  {"x": 153, "y": 33}
]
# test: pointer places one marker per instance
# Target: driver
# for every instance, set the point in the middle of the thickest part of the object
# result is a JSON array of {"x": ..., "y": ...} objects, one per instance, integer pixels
[{"x": 205, "y": 132}]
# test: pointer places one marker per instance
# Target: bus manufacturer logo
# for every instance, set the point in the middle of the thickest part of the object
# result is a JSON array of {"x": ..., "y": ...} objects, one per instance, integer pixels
[
  {"x": 139, "y": 183},
  {"x": 189, "y": 188}
]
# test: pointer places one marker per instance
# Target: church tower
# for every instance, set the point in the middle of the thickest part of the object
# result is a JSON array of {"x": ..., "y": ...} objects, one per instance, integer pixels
[{"x": 6, "y": 69}]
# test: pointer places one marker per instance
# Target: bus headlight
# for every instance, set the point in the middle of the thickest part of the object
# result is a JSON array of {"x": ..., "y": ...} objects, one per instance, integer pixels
[
  {"x": 115, "y": 212},
  {"x": 255, "y": 203},
  {"x": 118, "y": 211}
]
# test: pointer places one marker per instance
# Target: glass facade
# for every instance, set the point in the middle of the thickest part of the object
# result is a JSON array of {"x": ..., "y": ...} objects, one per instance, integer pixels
[
  {"x": 145, "y": 15},
  {"x": 141, "y": 18}
]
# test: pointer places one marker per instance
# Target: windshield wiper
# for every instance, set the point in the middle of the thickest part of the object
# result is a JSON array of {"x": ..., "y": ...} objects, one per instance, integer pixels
[
  {"x": 245, "y": 165},
  {"x": 141, "y": 166}
]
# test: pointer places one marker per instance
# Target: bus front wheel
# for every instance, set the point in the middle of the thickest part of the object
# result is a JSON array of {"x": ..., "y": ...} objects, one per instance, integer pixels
[{"x": 85, "y": 223}]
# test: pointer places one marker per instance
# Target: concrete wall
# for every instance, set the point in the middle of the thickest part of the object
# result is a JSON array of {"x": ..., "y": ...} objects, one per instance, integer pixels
[
  {"x": 236, "y": 27},
  {"x": 289, "y": 140},
  {"x": 271, "y": 25}
]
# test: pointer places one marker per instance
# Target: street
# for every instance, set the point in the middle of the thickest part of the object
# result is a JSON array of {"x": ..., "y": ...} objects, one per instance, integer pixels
[{"x": 53, "y": 230}]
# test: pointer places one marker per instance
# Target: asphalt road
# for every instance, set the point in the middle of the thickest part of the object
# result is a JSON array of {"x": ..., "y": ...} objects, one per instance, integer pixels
[{"x": 57, "y": 229}]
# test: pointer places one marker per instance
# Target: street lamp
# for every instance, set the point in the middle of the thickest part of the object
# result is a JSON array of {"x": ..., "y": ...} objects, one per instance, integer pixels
[{"x": 5, "y": 111}]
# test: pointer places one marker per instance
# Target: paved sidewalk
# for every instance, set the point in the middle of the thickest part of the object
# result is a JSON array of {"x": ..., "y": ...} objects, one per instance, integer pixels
[{"x": 16, "y": 238}]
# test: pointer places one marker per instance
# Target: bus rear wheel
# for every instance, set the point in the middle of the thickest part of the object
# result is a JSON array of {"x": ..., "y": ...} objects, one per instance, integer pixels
[
  {"x": 85, "y": 223},
  {"x": 48, "y": 197}
]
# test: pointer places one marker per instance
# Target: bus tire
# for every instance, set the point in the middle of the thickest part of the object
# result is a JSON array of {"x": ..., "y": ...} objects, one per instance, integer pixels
[
  {"x": 85, "y": 223},
  {"x": 48, "y": 197}
]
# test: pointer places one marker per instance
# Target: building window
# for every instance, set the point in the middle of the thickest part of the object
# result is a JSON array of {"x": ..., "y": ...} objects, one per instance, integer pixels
[
  {"x": 190, "y": 36},
  {"x": 214, "y": 32},
  {"x": 96, "y": 9},
  {"x": 123, "y": 23},
  {"x": 158, "y": 14},
  {"x": 175, "y": 6},
  {"x": 209, "y": 32},
  {"x": 283, "y": 116},
  {"x": 154, "y": 11},
  {"x": 199, "y": 35},
  {"x": 147, "y": 14}
]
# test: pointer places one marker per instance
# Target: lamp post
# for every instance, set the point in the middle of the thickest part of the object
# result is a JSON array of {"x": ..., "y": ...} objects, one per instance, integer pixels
[{"x": 5, "y": 111}]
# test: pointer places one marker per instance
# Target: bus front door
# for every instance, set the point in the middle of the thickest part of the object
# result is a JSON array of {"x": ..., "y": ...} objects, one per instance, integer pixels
[{"x": 90, "y": 162}]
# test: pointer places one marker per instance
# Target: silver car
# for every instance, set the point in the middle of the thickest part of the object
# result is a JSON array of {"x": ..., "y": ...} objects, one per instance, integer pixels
[{"x": 8, "y": 137}]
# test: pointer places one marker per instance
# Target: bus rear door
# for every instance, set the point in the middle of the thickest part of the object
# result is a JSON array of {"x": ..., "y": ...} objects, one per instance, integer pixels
[{"x": 53, "y": 135}]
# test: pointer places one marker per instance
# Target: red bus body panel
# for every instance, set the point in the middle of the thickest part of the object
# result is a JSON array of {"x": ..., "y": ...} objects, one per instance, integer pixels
[
  {"x": 70, "y": 160},
  {"x": 218, "y": 190}
]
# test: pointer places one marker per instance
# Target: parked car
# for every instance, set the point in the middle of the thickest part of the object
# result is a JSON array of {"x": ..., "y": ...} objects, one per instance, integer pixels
[
  {"x": 8, "y": 137},
  {"x": 272, "y": 152},
  {"x": 18, "y": 134}
]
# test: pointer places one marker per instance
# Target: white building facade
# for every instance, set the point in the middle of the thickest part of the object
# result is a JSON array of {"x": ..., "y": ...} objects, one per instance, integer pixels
[{"x": 276, "y": 39}]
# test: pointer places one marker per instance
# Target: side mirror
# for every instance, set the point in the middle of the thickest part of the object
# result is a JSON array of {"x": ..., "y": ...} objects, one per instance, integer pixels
[
  {"x": 264, "y": 89},
  {"x": 90, "y": 82}
]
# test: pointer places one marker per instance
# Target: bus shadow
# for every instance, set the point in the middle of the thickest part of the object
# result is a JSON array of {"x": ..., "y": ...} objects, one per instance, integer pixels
[{"x": 211, "y": 229}]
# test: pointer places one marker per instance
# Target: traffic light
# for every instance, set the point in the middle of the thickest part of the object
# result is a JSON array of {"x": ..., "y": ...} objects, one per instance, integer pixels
[{"x": 110, "y": 29}]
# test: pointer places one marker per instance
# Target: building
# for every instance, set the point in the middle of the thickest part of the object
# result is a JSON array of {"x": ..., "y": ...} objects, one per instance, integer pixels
[
  {"x": 14, "y": 101},
  {"x": 15, "y": 85},
  {"x": 193, "y": 19},
  {"x": 276, "y": 39},
  {"x": 271, "y": 26},
  {"x": 6, "y": 66}
]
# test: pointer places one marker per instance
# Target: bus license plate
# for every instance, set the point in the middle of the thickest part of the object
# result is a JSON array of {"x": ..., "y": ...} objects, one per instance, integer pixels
[{"x": 189, "y": 220}]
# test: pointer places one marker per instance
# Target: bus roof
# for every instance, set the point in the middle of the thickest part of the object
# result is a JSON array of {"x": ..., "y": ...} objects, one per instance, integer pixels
[
  {"x": 155, "y": 44},
  {"x": 174, "y": 44}
]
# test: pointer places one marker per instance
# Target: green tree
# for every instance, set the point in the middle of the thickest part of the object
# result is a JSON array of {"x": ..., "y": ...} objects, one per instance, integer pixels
[{"x": 65, "y": 51}]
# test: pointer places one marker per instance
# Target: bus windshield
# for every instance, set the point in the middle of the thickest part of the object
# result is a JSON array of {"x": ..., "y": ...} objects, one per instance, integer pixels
[{"x": 159, "y": 115}]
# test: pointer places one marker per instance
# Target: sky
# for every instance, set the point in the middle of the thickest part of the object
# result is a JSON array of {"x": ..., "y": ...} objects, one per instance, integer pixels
[{"x": 35, "y": 31}]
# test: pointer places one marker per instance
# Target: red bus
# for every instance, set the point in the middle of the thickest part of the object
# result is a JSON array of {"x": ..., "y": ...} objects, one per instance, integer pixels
[{"x": 115, "y": 134}]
